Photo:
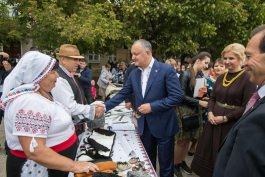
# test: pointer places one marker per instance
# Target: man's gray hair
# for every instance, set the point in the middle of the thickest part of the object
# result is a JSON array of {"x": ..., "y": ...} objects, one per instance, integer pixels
[{"x": 144, "y": 43}]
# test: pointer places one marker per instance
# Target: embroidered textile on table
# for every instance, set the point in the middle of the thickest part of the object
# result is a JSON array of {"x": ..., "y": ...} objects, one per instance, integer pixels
[{"x": 96, "y": 146}]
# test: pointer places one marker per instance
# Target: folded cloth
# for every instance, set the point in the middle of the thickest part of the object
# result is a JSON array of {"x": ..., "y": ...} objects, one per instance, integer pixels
[
  {"x": 97, "y": 146},
  {"x": 105, "y": 167}
]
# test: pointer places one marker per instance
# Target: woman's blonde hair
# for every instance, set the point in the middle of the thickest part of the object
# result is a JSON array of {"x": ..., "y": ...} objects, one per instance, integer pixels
[{"x": 237, "y": 49}]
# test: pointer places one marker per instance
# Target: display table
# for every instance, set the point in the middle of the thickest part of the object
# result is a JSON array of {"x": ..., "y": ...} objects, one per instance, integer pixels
[
  {"x": 127, "y": 142},
  {"x": 138, "y": 150}
]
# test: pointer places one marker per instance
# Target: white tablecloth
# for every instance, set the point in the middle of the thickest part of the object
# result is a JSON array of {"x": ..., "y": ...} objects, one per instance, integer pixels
[{"x": 127, "y": 142}]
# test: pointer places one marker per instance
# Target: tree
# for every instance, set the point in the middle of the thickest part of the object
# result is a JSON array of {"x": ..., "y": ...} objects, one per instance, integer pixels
[
  {"x": 50, "y": 23},
  {"x": 173, "y": 27},
  {"x": 186, "y": 26},
  {"x": 9, "y": 26}
]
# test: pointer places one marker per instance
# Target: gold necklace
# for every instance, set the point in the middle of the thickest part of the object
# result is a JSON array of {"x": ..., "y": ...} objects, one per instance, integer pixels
[{"x": 226, "y": 83}]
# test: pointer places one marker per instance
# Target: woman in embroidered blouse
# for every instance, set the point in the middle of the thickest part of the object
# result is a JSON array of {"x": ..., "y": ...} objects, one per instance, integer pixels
[
  {"x": 39, "y": 131},
  {"x": 228, "y": 99}
]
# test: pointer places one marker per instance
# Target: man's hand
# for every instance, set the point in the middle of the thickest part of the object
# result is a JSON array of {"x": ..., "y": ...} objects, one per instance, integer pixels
[
  {"x": 100, "y": 109},
  {"x": 128, "y": 105},
  {"x": 145, "y": 108}
]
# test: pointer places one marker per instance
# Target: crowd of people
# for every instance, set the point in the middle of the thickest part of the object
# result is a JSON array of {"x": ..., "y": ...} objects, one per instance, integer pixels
[{"x": 46, "y": 103}]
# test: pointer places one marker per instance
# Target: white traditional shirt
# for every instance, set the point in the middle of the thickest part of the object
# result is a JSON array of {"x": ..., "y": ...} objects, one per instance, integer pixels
[
  {"x": 33, "y": 115},
  {"x": 63, "y": 93}
]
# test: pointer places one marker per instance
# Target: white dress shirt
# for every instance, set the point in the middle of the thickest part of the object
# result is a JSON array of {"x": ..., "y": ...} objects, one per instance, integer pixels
[
  {"x": 63, "y": 93},
  {"x": 261, "y": 91},
  {"x": 145, "y": 75}
]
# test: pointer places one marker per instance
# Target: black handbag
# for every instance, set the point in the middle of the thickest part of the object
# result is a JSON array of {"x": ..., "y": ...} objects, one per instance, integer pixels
[
  {"x": 189, "y": 117},
  {"x": 190, "y": 122}
]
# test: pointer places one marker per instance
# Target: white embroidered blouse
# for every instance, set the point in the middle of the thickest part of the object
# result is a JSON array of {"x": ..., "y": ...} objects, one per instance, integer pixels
[{"x": 33, "y": 115}]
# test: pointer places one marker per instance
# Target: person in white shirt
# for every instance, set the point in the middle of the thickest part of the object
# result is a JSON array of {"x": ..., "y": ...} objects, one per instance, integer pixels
[
  {"x": 39, "y": 130},
  {"x": 68, "y": 90}
]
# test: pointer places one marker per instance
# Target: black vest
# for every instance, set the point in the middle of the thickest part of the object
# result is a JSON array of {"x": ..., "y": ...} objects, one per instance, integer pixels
[{"x": 77, "y": 97}]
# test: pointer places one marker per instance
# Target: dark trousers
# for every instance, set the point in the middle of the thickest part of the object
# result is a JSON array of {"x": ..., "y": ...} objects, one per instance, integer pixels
[{"x": 165, "y": 149}]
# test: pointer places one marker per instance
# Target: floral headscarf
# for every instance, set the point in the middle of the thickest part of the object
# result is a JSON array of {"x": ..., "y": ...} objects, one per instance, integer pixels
[{"x": 25, "y": 77}]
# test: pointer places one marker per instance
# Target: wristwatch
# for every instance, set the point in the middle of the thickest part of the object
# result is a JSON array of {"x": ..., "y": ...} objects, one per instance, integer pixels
[{"x": 225, "y": 119}]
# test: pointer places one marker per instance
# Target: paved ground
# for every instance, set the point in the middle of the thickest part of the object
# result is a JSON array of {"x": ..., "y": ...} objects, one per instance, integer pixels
[{"x": 3, "y": 156}]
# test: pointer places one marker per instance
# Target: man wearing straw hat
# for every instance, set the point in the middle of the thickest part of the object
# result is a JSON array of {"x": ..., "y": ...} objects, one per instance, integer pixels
[{"x": 68, "y": 91}]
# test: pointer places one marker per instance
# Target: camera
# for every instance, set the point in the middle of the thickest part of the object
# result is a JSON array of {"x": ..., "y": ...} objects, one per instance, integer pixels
[{"x": 11, "y": 61}]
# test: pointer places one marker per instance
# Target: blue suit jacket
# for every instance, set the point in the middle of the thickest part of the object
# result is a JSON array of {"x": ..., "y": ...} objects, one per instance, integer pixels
[
  {"x": 163, "y": 92},
  {"x": 86, "y": 77}
]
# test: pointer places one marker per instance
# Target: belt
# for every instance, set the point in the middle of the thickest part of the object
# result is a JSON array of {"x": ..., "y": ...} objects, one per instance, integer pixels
[
  {"x": 227, "y": 106},
  {"x": 57, "y": 148}
]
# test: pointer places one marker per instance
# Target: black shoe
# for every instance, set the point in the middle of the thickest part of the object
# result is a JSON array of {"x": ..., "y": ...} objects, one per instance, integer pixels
[
  {"x": 177, "y": 171},
  {"x": 185, "y": 168}
]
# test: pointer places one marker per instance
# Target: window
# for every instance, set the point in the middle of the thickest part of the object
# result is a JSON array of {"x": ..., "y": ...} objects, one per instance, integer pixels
[
  {"x": 93, "y": 58},
  {"x": 112, "y": 58}
]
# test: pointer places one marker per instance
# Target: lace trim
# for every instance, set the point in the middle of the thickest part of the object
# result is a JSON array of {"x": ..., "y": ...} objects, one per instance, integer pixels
[{"x": 92, "y": 111}]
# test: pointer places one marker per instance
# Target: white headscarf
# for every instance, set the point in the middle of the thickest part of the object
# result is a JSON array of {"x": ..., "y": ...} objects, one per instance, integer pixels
[{"x": 25, "y": 77}]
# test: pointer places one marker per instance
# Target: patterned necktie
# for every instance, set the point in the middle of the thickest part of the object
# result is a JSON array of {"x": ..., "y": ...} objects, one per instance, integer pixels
[{"x": 252, "y": 101}]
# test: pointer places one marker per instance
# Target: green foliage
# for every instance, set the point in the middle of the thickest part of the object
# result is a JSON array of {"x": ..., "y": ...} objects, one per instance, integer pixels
[
  {"x": 96, "y": 25},
  {"x": 187, "y": 26},
  {"x": 173, "y": 27},
  {"x": 9, "y": 26}
]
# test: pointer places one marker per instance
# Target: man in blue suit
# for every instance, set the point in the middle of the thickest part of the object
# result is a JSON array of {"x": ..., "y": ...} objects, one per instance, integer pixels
[{"x": 157, "y": 91}]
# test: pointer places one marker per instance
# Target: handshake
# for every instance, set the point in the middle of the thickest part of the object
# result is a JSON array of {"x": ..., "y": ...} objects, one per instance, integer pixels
[{"x": 99, "y": 110}]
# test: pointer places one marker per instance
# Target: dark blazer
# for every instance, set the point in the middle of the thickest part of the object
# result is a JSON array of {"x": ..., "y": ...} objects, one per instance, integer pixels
[
  {"x": 163, "y": 92},
  {"x": 86, "y": 77},
  {"x": 78, "y": 90},
  {"x": 242, "y": 153},
  {"x": 188, "y": 88}
]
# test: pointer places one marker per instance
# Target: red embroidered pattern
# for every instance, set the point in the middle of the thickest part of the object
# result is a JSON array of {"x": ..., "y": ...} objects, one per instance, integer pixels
[{"x": 32, "y": 123}]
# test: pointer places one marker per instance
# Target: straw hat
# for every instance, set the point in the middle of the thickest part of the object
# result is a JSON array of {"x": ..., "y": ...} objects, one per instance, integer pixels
[{"x": 69, "y": 50}]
